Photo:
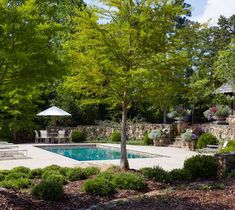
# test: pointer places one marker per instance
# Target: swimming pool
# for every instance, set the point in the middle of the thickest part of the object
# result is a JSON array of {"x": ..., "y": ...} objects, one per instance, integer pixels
[{"x": 88, "y": 153}]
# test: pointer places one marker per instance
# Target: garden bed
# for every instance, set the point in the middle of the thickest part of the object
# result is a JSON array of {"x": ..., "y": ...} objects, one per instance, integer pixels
[{"x": 178, "y": 196}]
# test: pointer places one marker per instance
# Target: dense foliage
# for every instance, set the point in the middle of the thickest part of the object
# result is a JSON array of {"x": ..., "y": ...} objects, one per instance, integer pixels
[
  {"x": 48, "y": 190},
  {"x": 156, "y": 174},
  {"x": 206, "y": 139},
  {"x": 78, "y": 136},
  {"x": 201, "y": 166}
]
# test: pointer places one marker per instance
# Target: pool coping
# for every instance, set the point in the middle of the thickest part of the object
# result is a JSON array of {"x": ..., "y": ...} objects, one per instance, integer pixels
[
  {"x": 147, "y": 154},
  {"x": 171, "y": 158}
]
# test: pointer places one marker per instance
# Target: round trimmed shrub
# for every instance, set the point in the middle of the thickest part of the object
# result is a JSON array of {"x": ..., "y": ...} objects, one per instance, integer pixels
[
  {"x": 180, "y": 174},
  {"x": 129, "y": 181},
  {"x": 201, "y": 166},
  {"x": 99, "y": 186},
  {"x": 48, "y": 190},
  {"x": 157, "y": 174},
  {"x": 115, "y": 137},
  {"x": 75, "y": 174},
  {"x": 36, "y": 173},
  {"x": 57, "y": 178},
  {"x": 21, "y": 169},
  {"x": 78, "y": 136},
  {"x": 206, "y": 139}
]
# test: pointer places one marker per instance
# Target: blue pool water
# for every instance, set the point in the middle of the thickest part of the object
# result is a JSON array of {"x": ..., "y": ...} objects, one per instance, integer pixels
[{"x": 91, "y": 153}]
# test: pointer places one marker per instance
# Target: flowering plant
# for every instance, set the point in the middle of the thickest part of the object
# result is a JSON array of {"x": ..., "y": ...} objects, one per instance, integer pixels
[
  {"x": 156, "y": 134},
  {"x": 219, "y": 111},
  {"x": 192, "y": 134},
  {"x": 180, "y": 113}
]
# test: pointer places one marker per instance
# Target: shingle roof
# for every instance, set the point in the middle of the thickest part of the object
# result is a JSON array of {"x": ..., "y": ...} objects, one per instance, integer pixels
[{"x": 226, "y": 88}]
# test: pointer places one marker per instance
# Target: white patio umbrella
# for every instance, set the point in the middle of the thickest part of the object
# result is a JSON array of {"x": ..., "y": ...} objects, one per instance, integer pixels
[{"x": 53, "y": 111}]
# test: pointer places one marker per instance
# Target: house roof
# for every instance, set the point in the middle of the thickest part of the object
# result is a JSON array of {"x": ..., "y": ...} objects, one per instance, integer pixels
[{"x": 226, "y": 88}]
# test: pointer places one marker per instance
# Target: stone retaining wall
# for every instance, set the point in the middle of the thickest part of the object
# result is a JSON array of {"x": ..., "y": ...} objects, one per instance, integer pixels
[
  {"x": 225, "y": 162},
  {"x": 222, "y": 132},
  {"x": 134, "y": 131}
]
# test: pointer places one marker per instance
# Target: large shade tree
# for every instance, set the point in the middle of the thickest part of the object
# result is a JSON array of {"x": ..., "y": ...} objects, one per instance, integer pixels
[
  {"x": 123, "y": 60},
  {"x": 31, "y": 35}
]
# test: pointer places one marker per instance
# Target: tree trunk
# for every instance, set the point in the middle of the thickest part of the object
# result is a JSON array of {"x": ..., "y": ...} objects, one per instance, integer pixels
[
  {"x": 164, "y": 116},
  {"x": 124, "y": 162}
]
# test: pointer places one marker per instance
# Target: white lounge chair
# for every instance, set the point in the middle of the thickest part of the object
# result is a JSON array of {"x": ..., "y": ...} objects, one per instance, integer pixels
[
  {"x": 6, "y": 146},
  {"x": 13, "y": 153}
]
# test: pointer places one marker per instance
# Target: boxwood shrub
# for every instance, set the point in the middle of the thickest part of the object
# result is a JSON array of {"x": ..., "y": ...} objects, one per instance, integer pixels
[
  {"x": 57, "y": 178},
  {"x": 147, "y": 140},
  {"x": 36, "y": 173},
  {"x": 99, "y": 186},
  {"x": 206, "y": 139},
  {"x": 156, "y": 173},
  {"x": 75, "y": 174},
  {"x": 78, "y": 136},
  {"x": 90, "y": 171},
  {"x": 106, "y": 175},
  {"x": 126, "y": 180},
  {"x": 180, "y": 174},
  {"x": 116, "y": 136},
  {"x": 15, "y": 175},
  {"x": 46, "y": 174},
  {"x": 48, "y": 190},
  {"x": 21, "y": 169},
  {"x": 16, "y": 184},
  {"x": 201, "y": 166}
]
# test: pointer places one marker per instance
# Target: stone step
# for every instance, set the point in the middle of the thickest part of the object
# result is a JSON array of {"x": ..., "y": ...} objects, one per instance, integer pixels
[{"x": 175, "y": 146}]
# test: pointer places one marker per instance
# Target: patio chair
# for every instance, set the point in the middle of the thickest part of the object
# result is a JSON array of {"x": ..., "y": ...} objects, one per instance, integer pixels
[
  {"x": 69, "y": 136},
  {"x": 44, "y": 136},
  {"x": 61, "y": 136}
]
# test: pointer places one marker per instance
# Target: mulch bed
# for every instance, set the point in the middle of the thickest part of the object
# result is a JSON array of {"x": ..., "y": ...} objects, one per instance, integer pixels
[{"x": 158, "y": 196}]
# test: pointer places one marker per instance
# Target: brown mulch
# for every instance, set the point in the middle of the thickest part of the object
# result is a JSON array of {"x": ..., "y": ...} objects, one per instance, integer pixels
[{"x": 158, "y": 196}]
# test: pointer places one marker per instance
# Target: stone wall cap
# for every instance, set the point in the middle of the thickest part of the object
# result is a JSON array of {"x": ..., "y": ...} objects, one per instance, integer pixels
[{"x": 225, "y": 154}]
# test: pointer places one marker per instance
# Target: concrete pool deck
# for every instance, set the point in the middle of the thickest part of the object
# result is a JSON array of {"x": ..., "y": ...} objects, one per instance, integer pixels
[{"x": 169, "y": 159}]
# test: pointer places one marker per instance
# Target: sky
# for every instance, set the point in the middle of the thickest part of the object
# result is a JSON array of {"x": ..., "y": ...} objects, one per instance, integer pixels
[{"x": 204, "y": 10}]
